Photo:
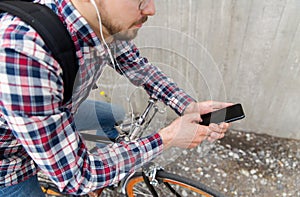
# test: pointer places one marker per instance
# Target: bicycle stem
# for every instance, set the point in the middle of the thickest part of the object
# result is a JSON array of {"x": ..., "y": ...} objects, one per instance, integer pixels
[{"x": 135, "y": 133}]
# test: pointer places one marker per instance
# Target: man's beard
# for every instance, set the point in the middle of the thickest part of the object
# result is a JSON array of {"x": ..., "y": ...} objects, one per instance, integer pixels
[{"x": 118, "y": 34}]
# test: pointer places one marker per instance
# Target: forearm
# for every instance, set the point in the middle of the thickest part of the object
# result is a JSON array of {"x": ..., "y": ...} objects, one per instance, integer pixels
[
  {"x": 142, "y": 73},
  {"x": 62, "y": 155},
  {"x": 112, "y": 163}
]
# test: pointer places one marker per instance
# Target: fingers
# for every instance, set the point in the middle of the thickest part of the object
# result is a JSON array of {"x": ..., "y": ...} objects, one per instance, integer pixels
[
  {"x": 212, "y": 132},
  {"x": 185, "y": 132},
  {"x": 221, "y": 128},
  {"x": 201, "y": 133},
  {"x": 217, "y": 131},
  {"x": 216, "y": 136}
]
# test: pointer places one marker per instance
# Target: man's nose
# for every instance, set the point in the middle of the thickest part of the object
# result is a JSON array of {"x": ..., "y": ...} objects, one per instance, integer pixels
[{"x": 149, "y": 10}]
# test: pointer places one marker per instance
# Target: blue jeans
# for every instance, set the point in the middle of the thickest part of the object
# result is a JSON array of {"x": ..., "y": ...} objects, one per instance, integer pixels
[
  {"x": 99, "y": 116},
  {"x": 28, "y": 188}
]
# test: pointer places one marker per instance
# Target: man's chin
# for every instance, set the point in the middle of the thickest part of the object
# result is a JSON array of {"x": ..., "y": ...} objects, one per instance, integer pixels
[{"x": 126, "y": 35}]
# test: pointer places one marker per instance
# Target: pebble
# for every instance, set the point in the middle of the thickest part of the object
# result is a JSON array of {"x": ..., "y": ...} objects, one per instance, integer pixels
[
  {"x": 186, "y": 169},
  {"x": 242, "y": 152},
  {"x": 234, "y": 155},
  {"x": 295, "y": 164},
  {"x": 207, "y": 176},
  {"x": 245, "y": 172},
  {"x": 263, "y": 181},
  {"x": 253, "y": 171},
  {"x": 279, "y": 175},
  {"x": 184, "y": 193},
  {"x": 228, "y": 146},
  {"x": 248, "y": 137}
]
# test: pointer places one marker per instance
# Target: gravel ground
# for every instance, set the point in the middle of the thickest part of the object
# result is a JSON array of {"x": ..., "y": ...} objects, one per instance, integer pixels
[{"x": 243, "y": 165}]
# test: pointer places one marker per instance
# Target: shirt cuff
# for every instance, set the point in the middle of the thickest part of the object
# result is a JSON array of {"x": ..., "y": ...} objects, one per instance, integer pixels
[
  {"x": 180, "y": 102},
  {"x": 153, "y": 146}
]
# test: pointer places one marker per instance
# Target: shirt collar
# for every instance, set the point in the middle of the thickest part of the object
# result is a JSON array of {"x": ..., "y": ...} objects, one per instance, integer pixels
[{"x": 75, "y": 22}]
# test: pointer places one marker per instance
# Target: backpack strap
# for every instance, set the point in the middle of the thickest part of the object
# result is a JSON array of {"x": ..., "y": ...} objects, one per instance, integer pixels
[{"x": 54, "y": 34}]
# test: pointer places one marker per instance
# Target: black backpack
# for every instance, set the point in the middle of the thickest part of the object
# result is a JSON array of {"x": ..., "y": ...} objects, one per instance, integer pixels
[{"x": 54, "y": 34}]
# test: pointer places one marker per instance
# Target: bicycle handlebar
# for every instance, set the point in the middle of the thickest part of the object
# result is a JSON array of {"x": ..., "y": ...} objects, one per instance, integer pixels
[{"x": 137, "y": 127}]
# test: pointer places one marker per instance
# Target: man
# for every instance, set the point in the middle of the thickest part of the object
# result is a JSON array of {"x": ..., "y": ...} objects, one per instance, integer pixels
[{"x": 37, "y": 131}]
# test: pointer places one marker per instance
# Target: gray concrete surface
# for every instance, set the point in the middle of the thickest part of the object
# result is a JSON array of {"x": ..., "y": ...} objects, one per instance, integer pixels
[{"x": 245, "y": 51}]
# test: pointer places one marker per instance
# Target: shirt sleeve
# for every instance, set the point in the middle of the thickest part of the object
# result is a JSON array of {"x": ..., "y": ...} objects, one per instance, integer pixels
[
  {"x": 31, "y": 104},
  {"x": 142, "y": 73}
]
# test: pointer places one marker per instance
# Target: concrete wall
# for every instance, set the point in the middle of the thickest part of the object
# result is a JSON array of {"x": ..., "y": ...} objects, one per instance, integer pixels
[{"x": 245, "y": 51}]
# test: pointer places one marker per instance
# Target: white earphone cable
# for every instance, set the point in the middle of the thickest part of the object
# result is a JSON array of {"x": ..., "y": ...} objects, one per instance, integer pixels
[
  {"x": 108, "y": 49},
  {"x": 101, "y": 34}
]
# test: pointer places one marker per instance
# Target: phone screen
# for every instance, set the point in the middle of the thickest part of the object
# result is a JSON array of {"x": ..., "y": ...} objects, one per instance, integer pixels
[{"x": 228, "y": 114}]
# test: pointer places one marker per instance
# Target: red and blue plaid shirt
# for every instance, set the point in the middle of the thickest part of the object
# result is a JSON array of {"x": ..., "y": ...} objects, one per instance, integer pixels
[{"x": 38, "y": 132}]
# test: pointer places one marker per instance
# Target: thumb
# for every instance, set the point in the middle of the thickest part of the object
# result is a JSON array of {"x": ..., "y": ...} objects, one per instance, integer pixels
[{"x": 193, "y": 117}]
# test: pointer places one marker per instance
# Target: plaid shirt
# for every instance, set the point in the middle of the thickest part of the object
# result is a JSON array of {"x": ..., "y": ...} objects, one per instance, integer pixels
[{"x": 38, "y": 132}]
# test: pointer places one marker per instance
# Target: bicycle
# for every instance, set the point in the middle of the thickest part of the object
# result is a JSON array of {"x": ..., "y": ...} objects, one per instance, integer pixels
[{"x": 152, "y": 180}]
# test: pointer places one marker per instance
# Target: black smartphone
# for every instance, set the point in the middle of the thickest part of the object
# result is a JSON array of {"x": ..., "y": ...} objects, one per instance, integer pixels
[{"x": 228, "y": 114}]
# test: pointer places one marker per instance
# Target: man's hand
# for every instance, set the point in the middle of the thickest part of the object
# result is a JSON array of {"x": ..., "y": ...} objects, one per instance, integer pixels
[{"x": 186, "y": 132}]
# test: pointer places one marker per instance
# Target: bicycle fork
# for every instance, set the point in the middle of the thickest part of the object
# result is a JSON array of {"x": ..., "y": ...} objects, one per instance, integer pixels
[
  {"x": 150, "y": 178},
  {"x": 149, "y": 174}
]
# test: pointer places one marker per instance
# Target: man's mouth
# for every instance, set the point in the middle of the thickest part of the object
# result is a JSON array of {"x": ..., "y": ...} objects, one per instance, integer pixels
[{"x": 139, "y": 24}]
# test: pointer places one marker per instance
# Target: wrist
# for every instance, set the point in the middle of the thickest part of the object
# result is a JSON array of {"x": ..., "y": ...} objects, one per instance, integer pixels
[
  {"x": 165, "y": 137},
  {"x": 190, "y": 108}
]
